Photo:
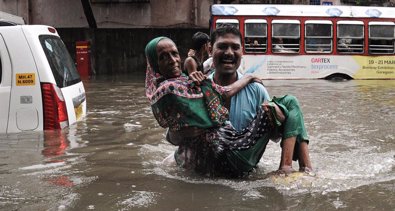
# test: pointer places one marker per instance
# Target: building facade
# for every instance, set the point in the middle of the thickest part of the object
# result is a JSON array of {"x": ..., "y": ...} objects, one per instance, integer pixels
[
  {"x": 113, "y": 13},
  {"x": 118, "y": 30},
  {"x": 139, "y": 13}
]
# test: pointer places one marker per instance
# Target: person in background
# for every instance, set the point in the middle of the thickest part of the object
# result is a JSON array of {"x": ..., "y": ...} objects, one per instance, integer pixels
[
  {"x": 199, "y": 53},
  {"x": 344, "y": 45},
  {"x": 278, "y": 46}
]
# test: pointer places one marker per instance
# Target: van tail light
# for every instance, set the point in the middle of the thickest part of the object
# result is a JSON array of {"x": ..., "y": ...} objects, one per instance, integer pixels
[
  {"x": 54, "y": 107},
  {"x": 52, "y": 30}
]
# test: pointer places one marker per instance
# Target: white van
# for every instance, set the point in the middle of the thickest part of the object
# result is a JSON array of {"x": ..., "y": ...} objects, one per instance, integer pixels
[{"x": 40, "y": 88}]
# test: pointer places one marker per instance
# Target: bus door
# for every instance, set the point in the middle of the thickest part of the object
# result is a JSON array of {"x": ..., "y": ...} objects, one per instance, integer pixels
[{"x": 5, "y": 85}]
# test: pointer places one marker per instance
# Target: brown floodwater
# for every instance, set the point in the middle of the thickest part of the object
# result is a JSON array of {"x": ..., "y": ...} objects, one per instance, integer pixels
[{"x": 112, "y": 160}]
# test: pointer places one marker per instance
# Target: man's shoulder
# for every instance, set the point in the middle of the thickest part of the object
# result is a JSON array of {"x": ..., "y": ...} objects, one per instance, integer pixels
[
  {"x": 255, "y": 90},
  {"x": 256, "y": 87},
  {"x": 190, "y": 59},
  {"x": 190, "y": 64}
]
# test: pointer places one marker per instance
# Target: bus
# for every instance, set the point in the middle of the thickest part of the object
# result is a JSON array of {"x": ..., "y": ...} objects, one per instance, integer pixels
[{"x": 312, "y": 42}]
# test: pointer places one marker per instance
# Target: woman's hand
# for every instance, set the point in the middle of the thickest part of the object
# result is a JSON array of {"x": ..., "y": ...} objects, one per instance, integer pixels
[
  {"x": 253, "y": 78},
  {"x": 197, "y": 77},
  {"x": 235, "y": 87}
]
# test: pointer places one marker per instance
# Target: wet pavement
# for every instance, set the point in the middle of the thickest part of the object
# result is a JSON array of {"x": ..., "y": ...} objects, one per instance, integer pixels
[{"x": 112, "y": 159}]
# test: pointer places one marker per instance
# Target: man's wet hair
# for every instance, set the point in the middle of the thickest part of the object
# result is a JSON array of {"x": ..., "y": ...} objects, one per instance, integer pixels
[
  {"x": 199, "y": 39},
  {"x": 223, "y": 30}
]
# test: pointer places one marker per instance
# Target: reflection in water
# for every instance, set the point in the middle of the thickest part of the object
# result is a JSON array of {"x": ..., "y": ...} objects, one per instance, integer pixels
[
  {"x": 55, "y": 144},
  {"x": 36, "y": 170},
  {"x": 113, "y": 159}
]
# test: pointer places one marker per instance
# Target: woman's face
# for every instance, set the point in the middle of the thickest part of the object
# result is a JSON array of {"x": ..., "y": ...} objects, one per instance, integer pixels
[{"x": 169, "y": 60}]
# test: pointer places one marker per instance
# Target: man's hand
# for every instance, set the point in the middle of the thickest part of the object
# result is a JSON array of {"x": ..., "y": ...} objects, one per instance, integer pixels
[
  {"x": 197, "y": 77},
  {"x": 279, "y": 114}
]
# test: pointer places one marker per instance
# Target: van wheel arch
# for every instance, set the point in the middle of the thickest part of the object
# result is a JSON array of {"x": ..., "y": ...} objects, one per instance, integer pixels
[{"x": 338, "y": 77}]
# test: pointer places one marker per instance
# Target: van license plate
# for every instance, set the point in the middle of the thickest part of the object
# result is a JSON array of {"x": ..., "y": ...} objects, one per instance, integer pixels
[{"x": 78, "y": 112}]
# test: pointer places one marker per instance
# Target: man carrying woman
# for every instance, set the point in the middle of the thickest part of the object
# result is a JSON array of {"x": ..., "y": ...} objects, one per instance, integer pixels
[
  {"x": 195, "y": 114},
  {"x": 227, "y": 53}
]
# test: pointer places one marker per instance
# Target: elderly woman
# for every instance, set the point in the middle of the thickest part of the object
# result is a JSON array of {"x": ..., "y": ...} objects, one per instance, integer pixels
[{"x": 192, "y": 111}]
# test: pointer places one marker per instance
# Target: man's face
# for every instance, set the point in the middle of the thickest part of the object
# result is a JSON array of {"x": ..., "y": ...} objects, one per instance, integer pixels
[
  {"x": 227, "y": 52},
  {"x": 169, "y": 60}
]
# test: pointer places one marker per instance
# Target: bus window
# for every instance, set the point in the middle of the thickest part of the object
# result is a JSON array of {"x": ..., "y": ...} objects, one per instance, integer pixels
[
  {"x": 381, "y": 37},
  {"x": 285, "y": 36},
  {"x": 255, "y": 36},
  {"x": 318, "y": 36},
  {"x": 221, "y": 22},
  {"x": 350, "y": 37}
]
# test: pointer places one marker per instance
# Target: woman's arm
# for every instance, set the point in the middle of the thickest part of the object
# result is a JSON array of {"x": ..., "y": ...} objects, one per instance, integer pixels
[
  {"x": 234, "y": 88},
  {"x": 226, "y": 91}
]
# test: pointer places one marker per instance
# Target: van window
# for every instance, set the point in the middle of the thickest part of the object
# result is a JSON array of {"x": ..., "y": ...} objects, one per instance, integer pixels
[
  {"x": 318, "y": 37},
  {"x": 381, "y": 37},
  {"x": 255, "y": 36},
  {"x": 285, "y": 36},
  {"x": 62, "y": 65},
  {"x": 1, "y": 70},
  {"x": 350, "y": 38}
]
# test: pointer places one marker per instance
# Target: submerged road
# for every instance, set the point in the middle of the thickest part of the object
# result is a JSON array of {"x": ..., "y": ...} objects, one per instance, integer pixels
[{"x": 112, "y": 159}]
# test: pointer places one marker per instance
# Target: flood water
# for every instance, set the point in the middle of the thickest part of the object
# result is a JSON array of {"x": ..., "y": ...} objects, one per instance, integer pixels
[{"x": 112, "y": 159}]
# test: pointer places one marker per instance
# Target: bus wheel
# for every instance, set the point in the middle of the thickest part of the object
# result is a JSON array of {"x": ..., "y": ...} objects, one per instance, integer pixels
[{"x": 338, "y": 77}]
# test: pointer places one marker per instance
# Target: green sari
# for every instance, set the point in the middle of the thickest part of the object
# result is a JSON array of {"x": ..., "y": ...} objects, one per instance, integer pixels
[{"x": 178, "y": 104}]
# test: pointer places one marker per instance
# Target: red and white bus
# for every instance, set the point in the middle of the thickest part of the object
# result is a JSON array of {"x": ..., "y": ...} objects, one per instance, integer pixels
[{"x": 311, "y": 42}]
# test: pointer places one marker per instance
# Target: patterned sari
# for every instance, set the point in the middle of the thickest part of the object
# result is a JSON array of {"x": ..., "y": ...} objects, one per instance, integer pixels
[{"x": 178, "y": 104}]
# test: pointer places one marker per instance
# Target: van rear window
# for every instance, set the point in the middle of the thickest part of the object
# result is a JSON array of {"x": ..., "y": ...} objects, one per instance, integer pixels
[
  {"x": 62, "y": 65},
  {"x": 1, "y": 70}
]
